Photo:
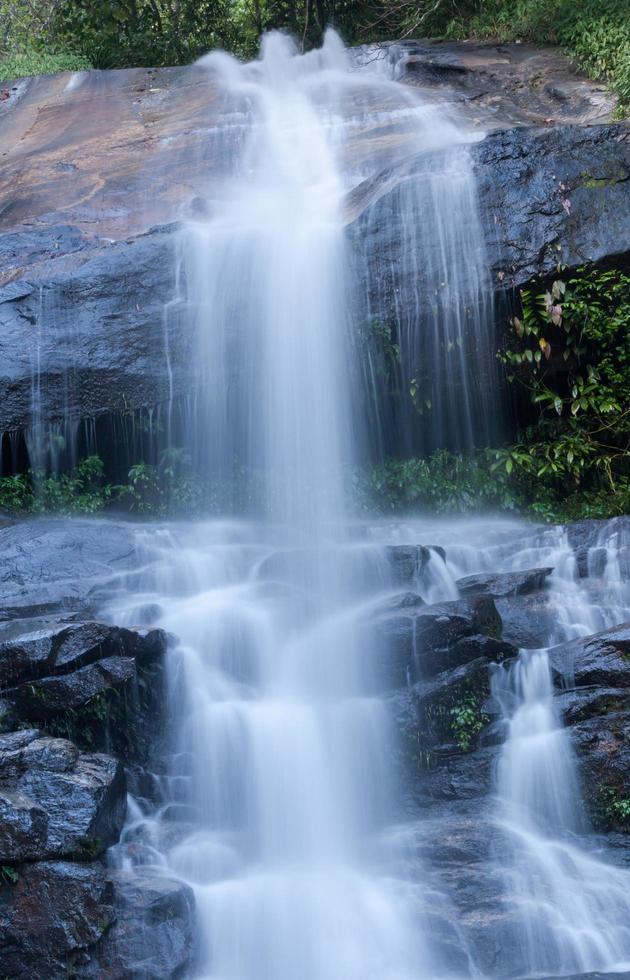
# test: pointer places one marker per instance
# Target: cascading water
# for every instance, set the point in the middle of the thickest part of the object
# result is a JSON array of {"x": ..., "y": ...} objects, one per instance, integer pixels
[
  {"x": 573, "y": 905},
  {"x": 277, "y": 803},
  {"x": 281, "y": 750}
]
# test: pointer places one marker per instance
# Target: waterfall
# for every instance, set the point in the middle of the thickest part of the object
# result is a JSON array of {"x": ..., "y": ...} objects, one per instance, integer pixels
[
  {"x": 573, "y": 904},
  {"x": 280, "y": 746},
  {"x": 277, "y": 801}
]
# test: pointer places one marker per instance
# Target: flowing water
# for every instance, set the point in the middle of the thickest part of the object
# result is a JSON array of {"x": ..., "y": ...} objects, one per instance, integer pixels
[
  {"x": 277, "y": 800},
  {"x": 282, "y": 749}
]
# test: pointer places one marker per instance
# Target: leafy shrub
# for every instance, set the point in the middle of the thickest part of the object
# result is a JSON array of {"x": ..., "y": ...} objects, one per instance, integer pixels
[
  {"x": 35, "y": 63},
  {"x": 571, "y": 353}
]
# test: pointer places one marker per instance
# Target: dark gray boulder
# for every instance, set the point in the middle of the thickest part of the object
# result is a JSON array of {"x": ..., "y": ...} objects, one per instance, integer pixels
[
  {"x": 153, "y": 934},
  {"x": 62, "y": 648},
  {"x": 74, "y": 803},
  {"x": 504, "y": 584},
  {"x": 602, "y": 659},
  {"x": 418, "y": 641},
  {"x": 46, "y": 697},
  {"x": 51, "y": 917},
  {"x": 528, "y": 621},
  {"x": 407, "y": 562},
  {"x": 557, "y": 195},
  {"x": 23, "y": 828}
]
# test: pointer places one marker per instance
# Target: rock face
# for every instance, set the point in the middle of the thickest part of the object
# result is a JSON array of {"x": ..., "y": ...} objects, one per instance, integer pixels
[
  {"x": 87, "y": 256},
  {"x": 56, "y": 801},
  {"x": 84, "y": 704},
  {"x": 152, "y": 937},
  {"x": 422, "y": 640},
  {"x": 52, "y": 916}
]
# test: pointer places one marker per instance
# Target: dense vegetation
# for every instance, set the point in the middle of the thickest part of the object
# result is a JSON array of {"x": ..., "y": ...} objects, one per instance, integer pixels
[
  {"x": 568, "y": 357},
  {"x": 40, "y": 36}
]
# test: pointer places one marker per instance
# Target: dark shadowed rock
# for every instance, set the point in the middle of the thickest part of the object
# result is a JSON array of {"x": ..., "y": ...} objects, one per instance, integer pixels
[
  {"x": 588, "y": 539},
  {"x": 153, "y": 935},
  {"x": 63, "y": 648},
  {"x": 407, "y": 562},
  {"x": 74, "y": 803},
  {"x": 602, "y": 659},
  {"x": 419, "y": 641},
  {"x": 528, "y": 620},
  {"x": 51, "y": 917},
  {"x": 505, "y": 584},
  {"x": 43, "y": 699},
  {"x": 23, "y": 828}
]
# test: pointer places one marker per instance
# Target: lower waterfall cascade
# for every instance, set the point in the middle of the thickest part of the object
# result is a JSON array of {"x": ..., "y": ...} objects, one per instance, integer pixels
[{"x": 377, "y": 756}]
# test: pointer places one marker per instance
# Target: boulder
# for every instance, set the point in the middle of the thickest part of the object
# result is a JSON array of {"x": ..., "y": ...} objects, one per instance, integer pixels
[
  {"x": 47, "y": 697},
  {"x": 56, "y": 801},
  {"x": 418, "y": 640},
  {"x": 407, "y": 562},
  {"x": 504, "y": 584},
  {"x": 51, "y": 916},
  {"x": 153, "y": 937},
  {"x": 590, "y": 539},
  {"x": 602, "y": 659},
  {"x": 528, "y": 620},
  {"x": 55, "y": 567}
]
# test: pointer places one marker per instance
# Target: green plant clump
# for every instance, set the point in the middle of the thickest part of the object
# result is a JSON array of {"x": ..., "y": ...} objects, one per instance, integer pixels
[
  {"x": 27, "y": 63},
  {"x": 466, "y": 721}
]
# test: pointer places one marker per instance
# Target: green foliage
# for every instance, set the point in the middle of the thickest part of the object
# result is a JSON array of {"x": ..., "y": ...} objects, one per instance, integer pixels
[
  {"x": 118, "y": 33},
  {"x": 611, "y": 809},
  {"x": 35, "y": 63},
  {"x": 442, "y": 483},
  {"x": 571, "y": 352},
  {"x": 168, "y": 488},
  {"x": 466, "y": 721},
  {"x": 8, "y": 875}
]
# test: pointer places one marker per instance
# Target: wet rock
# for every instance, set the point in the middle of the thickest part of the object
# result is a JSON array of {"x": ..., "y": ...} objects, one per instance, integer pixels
[
  {"x": 23, "y": 828},
  {"x": 528, "y": 620},
  {"x": 421, "y": 640},
  {"x": 602, "y": 659},
  {"x": 602, "y": 744},
  {"x": 51, "y": 917},
  {"x": 588, "y": 539},
  {"x": 445, "y": 716},
  {"x": 457, "y": 777},
  {"x": 47, "y": 697},
  {"x": 524, "y": 179},
  {"x": 153, "y": 935},
  {"x": 100, "y": 294},
  {"x": 584, "y": 703},
  {"x": 407, "y": 562},
  {"x": 55, "y": 566},
  {"x": 505, "y": 584},
  {"x": 73, "y": 802}
]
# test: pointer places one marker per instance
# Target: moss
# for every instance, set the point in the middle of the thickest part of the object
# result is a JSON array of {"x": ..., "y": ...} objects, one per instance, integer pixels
[
  {"x": 89, "y": 849},
  {"x": 594, "y": 182}
]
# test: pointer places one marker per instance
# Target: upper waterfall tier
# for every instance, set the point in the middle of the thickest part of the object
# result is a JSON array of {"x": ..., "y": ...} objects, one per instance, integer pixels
[{"x": 100, "y": 163}]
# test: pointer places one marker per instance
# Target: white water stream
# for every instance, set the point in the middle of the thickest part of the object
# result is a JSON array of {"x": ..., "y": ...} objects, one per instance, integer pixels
[{"x": 277, "y": 801}]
